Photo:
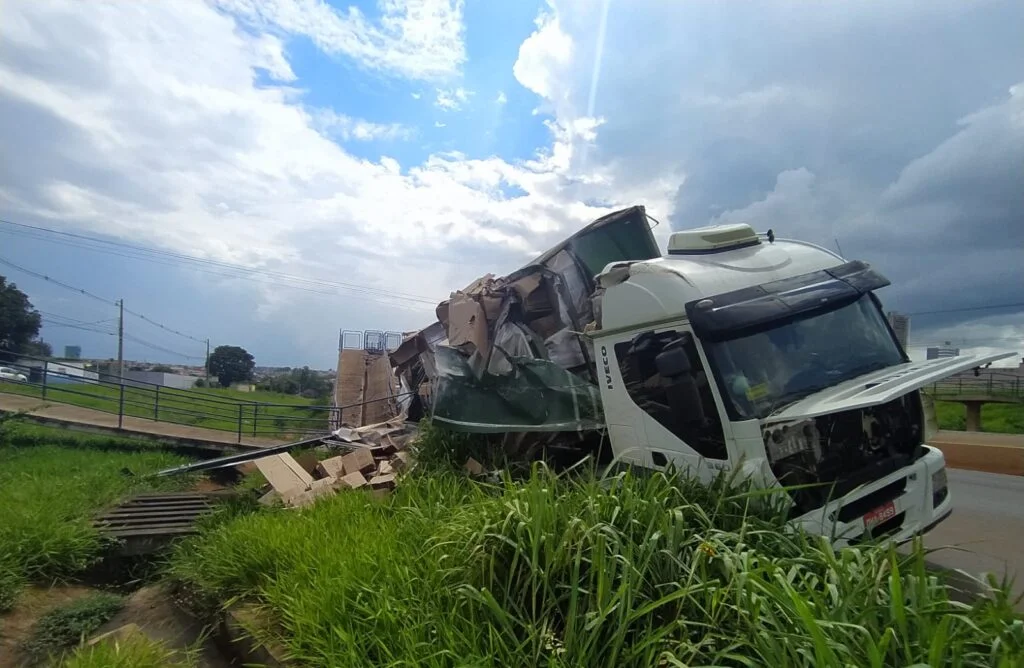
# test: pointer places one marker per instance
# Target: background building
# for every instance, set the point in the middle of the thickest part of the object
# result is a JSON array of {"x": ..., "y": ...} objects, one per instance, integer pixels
[
  {"x": 939, "y": 352},
  {"x": 900, "y": 324}
]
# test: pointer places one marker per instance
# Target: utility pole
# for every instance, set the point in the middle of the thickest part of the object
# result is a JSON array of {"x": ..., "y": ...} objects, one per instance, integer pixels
[
  {"x": 207, "y": 362},
  {"x": 120, "y": 340}
]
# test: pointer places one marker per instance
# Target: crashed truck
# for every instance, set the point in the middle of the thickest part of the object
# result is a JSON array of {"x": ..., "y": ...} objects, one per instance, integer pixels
[{"x": 734, "y": 351}]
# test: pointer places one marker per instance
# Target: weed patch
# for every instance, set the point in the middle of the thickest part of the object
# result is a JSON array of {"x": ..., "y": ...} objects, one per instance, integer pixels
[
  {"x": 627, "y": 571},
  {"x": 48, "y": 495},
  {"x": 136, "y": 651},
  {"x": 65, "y": 626}
]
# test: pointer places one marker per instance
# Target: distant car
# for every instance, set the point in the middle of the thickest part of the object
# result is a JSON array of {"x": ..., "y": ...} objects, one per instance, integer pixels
[{"x": 7, "y": 373}]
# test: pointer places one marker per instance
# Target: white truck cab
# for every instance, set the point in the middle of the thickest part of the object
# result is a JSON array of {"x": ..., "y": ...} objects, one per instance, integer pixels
[{"x": 773, "y": 357}]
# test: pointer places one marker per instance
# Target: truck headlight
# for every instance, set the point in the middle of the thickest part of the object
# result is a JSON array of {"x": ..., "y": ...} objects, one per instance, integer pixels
[{"x": 940, "y": 487}]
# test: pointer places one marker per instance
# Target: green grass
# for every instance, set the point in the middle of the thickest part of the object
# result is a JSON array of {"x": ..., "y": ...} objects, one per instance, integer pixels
[
  {"x": 48, "y": 493},
  {"x": 63, "y": 627},
  {"x": 212, "y": 408},
  {"x": 629, "y": 571},
  {"x": 135, "y": 651},
  {"x": 999, "y": 418}
]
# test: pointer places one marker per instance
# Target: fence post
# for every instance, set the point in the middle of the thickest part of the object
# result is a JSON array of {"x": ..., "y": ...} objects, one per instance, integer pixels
[
  {"x": 45, "y": 374},
  {"x": 156, "y": 405},
  {"x": 120, "y": 407},
  {"x": 255, "y": 417},
  {"x": 240, "y": 422}
]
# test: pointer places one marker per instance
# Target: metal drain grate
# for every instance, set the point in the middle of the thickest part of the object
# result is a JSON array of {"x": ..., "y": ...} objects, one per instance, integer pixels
[{"x": 154, "y": 516}]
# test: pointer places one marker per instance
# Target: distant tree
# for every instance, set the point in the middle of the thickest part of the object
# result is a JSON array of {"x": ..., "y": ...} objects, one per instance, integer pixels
[
  {"x": 19, "y": 321},
  {"x": 162, "y": 368},
  {"x": 37, "y": 348},
  {"x": 302, "y": 381},
  {"x": 231, "y": 364}
]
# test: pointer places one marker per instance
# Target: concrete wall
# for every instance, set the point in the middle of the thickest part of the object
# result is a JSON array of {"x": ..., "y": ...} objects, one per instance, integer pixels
[{"x": 174, "y": 380}]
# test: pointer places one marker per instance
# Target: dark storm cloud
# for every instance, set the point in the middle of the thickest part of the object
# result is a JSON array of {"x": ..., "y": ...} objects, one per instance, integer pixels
[{"x": 890, "y": 126}]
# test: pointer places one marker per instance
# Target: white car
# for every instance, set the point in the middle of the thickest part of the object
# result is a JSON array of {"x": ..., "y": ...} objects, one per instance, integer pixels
[{"x": 7, "y": 373}]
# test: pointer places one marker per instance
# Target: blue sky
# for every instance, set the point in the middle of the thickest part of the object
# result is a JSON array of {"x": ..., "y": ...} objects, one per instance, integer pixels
[{"x": 371, "y": 157}]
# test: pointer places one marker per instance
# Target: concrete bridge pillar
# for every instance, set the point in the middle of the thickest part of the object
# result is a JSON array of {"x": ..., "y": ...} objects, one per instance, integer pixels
[{"x": 973, "y": 415}]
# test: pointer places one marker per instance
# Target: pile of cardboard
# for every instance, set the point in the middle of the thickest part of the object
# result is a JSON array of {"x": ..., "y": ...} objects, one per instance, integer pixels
[{"x": 296, "y": 484}]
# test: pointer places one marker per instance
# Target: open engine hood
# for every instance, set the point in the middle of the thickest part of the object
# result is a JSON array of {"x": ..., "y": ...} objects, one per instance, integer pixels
[{"x": 879, "y": 387}]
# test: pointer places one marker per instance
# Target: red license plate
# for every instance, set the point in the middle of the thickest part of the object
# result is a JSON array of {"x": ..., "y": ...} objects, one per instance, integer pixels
[{"x": 880, "y": 514}]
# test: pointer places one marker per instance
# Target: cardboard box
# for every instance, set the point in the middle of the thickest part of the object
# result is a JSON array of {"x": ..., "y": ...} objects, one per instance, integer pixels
[
  {"x": 351, "y": 481},
  {"x": 383, "y": 481},
  {"x": 359, "y": 461},
  {"x": 283, "y": 473},
  {"x": 331, "y": 468},
  {"x": 473, "y": 467}
]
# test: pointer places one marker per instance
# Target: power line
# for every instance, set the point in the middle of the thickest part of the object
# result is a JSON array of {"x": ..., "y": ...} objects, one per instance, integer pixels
[
  {"x": 154, "y": 346},
  {"x": 73, "y": 320},
  {"x": 969, "y": 308},
  {"x": 97, "y": 297},
  {"x": 154, "y": 254},
  {"x": 56, "y": 282}
]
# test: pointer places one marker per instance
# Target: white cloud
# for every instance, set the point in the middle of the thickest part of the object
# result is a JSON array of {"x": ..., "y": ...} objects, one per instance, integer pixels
[
  {"x": 347, "y": 128},
  {"x": 439, "y": 124},
  {"x": 415, "y": 96},
  {"x": 544, "y": 58},
  {"x": 418, "y": 39},
  {"x": 171, "y": 141},
  {"x": 501, "y": 99},
  {"x": 452, "y": 99}
]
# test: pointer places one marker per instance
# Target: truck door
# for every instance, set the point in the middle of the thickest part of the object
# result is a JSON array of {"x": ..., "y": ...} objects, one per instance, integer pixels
[{"x": 672, "y": 398}]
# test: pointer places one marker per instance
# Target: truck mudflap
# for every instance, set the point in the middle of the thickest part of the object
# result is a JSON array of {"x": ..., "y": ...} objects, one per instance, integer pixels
[{"x": 897, "y": 507}]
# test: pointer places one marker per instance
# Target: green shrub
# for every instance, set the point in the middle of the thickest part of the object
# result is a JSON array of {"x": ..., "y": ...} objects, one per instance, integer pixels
[
  {"x": 631, "y": 571},
  {"x": 67, "y": 625}
]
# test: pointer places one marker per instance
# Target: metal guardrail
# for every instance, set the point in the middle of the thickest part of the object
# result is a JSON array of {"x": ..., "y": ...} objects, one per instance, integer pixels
[
  {"x": 988, "y": 383},
  {"x": 111, "y": 394}
]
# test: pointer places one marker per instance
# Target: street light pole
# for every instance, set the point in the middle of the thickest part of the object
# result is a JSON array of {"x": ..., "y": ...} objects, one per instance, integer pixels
[{"x": 120, "y": 340}]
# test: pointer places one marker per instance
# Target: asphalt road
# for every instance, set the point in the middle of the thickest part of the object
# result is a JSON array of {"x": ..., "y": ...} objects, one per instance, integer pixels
[{"x": 985, "y": 533}]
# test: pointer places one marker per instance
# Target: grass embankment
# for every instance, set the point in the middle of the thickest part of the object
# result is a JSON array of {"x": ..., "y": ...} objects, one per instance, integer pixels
[
  {"x": 48, "y": 494},
  {"x": 212, "y": 408},
  {"x": 655, "y": 571},
  {"x": 998, "y": 418}
]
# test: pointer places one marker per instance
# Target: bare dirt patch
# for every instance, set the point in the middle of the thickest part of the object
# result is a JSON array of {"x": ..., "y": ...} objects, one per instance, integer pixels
[{"x": 34, "y": 601}]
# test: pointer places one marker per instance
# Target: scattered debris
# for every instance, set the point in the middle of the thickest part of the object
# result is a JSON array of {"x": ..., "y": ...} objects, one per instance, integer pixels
[
  {"x": 360, "y": 461},
  {"x": 473, "y": 467},
  {"x": 351, "y": 481},
  {"x": 383, "y": 481},
  {"x": 270, "y": 498},
  {"x": 331, "y": 468},
  {"x": 401, "y": 461},
  {"x": 284, "y": 473},
  {"x": 507, "y": 353}
]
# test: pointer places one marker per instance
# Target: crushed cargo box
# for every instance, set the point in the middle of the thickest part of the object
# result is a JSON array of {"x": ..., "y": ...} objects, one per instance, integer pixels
[{"x": 507, "y": 353}]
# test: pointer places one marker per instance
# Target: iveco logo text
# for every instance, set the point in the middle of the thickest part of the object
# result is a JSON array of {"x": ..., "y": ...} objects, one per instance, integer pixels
[{"x": 607, "y": 369}]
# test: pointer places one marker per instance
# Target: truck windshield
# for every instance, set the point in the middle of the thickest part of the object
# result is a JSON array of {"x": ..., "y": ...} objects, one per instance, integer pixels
[{"x": 763, "y": 372}]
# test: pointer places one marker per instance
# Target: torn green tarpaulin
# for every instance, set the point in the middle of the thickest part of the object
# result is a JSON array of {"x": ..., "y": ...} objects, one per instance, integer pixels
[{"x": 537, "y": 395}]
